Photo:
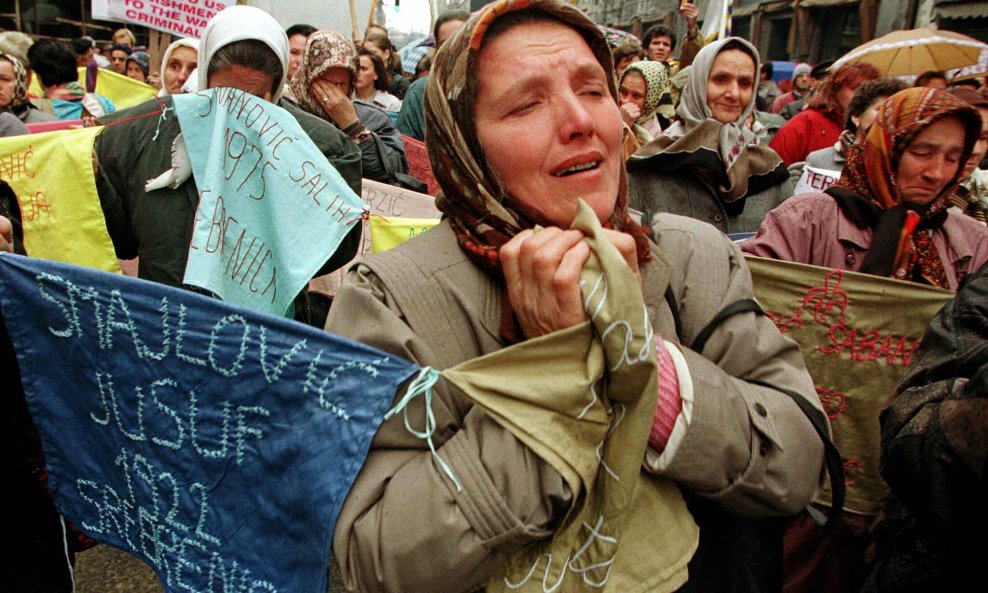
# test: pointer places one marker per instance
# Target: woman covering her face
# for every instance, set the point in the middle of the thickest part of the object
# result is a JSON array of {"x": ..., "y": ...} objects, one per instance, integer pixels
[
  {"x": 323, "y": 85},
  {"x": 709, "y": 165},
  {"x": 645, "y": 86},
  {"x": 887, "y": 215},
  {"x": 523, "y": 126}
]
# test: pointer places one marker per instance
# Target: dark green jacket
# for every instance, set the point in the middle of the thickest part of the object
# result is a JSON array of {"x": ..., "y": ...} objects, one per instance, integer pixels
[{"x": 411, "y": 118}]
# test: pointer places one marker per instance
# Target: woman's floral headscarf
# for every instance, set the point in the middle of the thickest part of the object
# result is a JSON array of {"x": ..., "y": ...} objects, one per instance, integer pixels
[
  {"x": 873, "y": 160},
  {"x": 483, "y": 215},
  {"x": 19, "y": 98},
  {"x": 323, "y": 50},
  {"x": 868, "y": 194},
  {"x": 657, "y": 93}
]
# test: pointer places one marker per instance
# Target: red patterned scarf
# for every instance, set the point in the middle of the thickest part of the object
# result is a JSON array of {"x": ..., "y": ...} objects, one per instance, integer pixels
[{"x": 868, "y": 194}]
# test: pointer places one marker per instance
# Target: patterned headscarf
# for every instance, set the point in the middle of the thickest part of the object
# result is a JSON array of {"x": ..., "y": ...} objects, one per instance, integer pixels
[
  {"x": 873, "y": 159},
  {"x": 867, "y": 191},
  {"x": 657, "y": 95},
  {"x": 728, "y": 156},
  {"x": 481, "y": 212},
  {"x": 19, "y": 98},
  {"x": 323, "y": 50},
  {"x": 693, "y": 110}
]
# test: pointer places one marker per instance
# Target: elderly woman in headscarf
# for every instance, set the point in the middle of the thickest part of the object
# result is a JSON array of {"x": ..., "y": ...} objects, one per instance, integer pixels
[
  {"x": 888, "y": 213},
  {"x": 524, "y": 134},
  {"x": 13, "y": 92},
  {"x": 646, "y": 105},
  {"x": 323, "y": 85},
  {"x": 177, "y": 66},
  {"x": 709, "y": 165},
  {"x": 888, "y": 216}
]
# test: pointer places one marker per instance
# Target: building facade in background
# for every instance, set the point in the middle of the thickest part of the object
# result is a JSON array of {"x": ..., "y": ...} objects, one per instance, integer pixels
[{"x": 804, "y": 30}]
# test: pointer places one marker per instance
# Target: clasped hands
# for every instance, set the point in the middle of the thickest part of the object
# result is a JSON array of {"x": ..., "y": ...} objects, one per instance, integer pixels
[{"x": 542, "y": 274}]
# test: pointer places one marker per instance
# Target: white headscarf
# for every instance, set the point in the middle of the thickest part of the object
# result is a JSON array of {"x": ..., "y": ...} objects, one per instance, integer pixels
[
  {"x": 693, "y": 109},
  {"x": 238, "y": 23},
  {"x": 189, "y": 42}
]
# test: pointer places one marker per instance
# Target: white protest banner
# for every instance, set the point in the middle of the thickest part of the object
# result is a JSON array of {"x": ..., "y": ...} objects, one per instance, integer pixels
[
  {"x": 98, "y": 10},
  {"x": 387, "y": 201},
  {"x": 815, "y": 179},
  {"x": 179, "y": 17}
]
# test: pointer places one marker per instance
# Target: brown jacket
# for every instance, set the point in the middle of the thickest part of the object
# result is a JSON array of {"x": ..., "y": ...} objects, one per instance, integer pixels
[{"x": 404, "y": 527}]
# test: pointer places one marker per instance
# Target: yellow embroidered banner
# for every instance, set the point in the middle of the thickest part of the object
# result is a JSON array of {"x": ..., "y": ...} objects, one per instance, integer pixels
[
  {"x": 384, "y": 200},
  {"x": 857, "y": 333},
  {"x": 52, "y": 175},
  {"x": 391, "y": 232},
  {"x": 123, "y": 91}
]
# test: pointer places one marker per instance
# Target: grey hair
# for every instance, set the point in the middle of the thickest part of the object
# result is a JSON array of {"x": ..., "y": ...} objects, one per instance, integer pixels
[{"x": 248, "y": 53}]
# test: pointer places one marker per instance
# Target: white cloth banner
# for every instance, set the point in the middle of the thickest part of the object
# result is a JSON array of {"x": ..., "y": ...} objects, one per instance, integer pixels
[
  {"x": 713, "y": 20},
  {"x": 815, "y": 179},
  {"x": 178, "y": 17}
]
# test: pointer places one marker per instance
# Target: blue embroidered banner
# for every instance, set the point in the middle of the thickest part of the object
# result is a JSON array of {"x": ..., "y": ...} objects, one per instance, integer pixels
[
  {"x": 272, "y": 209},
  {"x": 213, "y": 442}
]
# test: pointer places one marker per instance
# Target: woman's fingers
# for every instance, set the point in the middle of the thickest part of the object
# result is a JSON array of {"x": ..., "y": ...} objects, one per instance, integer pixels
[
  {"x": 6, "y": 235},
  {"x": 509, "y": 255},
  {"x": 630, "y": 112},
  {"x": 542, "y": 272},
  {"x": 334, "y": 102},
  {"x": 567, "y": 280},
  {"x": 627, "y": 247}
]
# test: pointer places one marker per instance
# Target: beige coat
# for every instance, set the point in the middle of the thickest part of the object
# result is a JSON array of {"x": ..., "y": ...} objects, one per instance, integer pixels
[{"x": 404, "y": 527}]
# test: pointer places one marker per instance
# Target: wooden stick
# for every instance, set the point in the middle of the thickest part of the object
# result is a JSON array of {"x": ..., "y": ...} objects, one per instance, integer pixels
[{"x": 353, "y": 20}]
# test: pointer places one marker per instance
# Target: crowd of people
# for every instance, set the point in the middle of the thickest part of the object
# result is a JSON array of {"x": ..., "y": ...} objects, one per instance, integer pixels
[{"x": 543, "y": 136}]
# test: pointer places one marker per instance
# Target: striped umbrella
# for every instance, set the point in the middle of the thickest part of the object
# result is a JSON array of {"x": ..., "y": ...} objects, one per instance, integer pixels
[
  {"x": 979, "y": 69},
  {"x": 912, "y": 52}
]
